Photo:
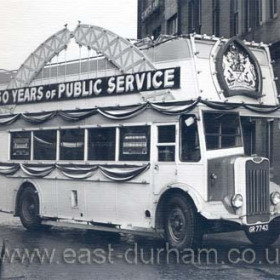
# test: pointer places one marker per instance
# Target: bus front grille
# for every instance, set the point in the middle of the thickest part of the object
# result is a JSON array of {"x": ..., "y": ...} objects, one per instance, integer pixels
[{"x": 257, "y": 191}]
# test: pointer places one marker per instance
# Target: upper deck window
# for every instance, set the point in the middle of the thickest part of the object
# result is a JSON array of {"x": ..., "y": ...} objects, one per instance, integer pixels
[
  {"x": 222, "y": 130},
  {"x": 45, "y": 145},
  {"x": 72, "y": 144},
  {"x": 102, "y": 142},
  {"x": 20, "y": 145},
  {"x": 135, "y": 143}
]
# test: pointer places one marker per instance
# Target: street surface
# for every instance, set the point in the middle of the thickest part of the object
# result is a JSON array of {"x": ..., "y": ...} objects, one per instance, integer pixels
[{"x": 80, "y": 254}]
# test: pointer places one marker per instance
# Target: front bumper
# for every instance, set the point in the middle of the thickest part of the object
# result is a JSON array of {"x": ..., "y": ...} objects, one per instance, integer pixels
[{"x": 218, "y": 211}]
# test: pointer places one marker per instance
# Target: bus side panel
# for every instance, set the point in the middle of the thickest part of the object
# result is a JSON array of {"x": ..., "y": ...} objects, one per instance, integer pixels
[
  {"x": 100, "y": 199},
  {"x": 8, "y": 191},
  {"x": 132, "y": 202},
  {"x": 47, "y": 195},
  {"x": 70, "y": 199}
]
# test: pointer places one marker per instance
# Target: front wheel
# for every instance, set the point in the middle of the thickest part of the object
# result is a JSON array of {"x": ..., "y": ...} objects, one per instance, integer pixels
[
  {"x": 29, "y": 209},
  {"x": 180, "y": 223}
]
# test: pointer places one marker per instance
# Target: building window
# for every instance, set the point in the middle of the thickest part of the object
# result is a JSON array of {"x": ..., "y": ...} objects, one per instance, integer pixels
[
  {"x": 157, "y": 32},
  {"x": 72, "y": 144},
  {"x": 172, "y": 25},
  {"x": 45, "y": 144},
  {"x": 216, "y": 17},
  {"x": 20, "y": 145},
  {"x": 189, "y": 140},
  {"x": 259, "y": 14},
  {"x": 144, "y": 4},
  {"x": 149, "y": 7},
  {"x": 102, "y": 143},
  {"x": 135, "y": 143},
  {"x": 253, "y": 14},
  {"x": 194, "y": 8},
  {"x": 247, "y": 18},
  {"x": 166, "y": 142},
  {"x": 273, "y": 8},
  {"x": 235, "y": 17}
]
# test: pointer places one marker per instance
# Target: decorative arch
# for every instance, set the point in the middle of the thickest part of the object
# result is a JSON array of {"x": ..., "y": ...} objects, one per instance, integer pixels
[
  {"x": 119, "y": 51},
  {"x": 39, "y": 58},
  {"x": 122, "y": 53}
]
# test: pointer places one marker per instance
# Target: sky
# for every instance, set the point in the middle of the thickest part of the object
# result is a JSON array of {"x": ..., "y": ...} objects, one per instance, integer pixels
[{"x": 25, "y": 24}]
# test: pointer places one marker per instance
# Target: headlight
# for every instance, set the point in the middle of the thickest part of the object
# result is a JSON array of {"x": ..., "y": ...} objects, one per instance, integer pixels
[
  {"x": 275, "y": 198},
  {"x": 237, "y": 201}
]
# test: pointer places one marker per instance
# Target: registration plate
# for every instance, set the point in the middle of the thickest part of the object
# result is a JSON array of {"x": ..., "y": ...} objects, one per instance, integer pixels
[{"x": 258, "y": 228}]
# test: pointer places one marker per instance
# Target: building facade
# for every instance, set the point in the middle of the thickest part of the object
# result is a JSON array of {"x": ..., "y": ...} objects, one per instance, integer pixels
[
  {"x": 251, "y": 20},
  {"x": 246, "y": 18}
]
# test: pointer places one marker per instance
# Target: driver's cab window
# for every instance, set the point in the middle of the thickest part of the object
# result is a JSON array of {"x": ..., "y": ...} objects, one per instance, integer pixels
[{"x": 189, "y": 140}]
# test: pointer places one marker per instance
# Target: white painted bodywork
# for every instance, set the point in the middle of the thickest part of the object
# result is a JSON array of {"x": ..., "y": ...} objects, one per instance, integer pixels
[{"x": 124, "y": 204}]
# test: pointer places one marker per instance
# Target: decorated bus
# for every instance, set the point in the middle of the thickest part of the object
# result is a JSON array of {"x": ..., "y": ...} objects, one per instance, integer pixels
[{"x": 172, "y": 138}]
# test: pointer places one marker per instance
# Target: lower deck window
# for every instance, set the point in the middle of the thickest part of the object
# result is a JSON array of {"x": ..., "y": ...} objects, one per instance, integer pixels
[
  {"x": 20, "y": 145},
  {"x": 72, "y": 144},
  {"x": 102, "y": 142},
  {"x": 135, "y": 143},
  {"x": 45, "y": 145}
]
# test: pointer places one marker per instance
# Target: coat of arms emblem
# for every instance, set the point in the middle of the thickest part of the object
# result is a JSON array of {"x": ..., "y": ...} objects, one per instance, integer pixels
[{"x": 238, "y": 70}]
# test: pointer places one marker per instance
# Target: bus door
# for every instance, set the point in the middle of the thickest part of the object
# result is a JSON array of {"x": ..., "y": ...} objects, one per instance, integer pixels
[
  {"x": 165, "y": 157},
  {"x": 178, "y": 153}
]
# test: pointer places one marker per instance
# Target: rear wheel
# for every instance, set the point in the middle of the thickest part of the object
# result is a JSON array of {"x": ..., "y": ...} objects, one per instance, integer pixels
[
  {"x": 29, "y": 209},
  {"x": 180, "y": 224}
]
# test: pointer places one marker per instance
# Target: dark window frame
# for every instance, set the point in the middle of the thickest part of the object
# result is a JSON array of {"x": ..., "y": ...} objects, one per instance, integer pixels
[
  {"x": 170, "y": 146},
  {"x": 259, "y": 14},
  {"x": 61, "y": 147},
  {"x": 109, "y": 158},
  {"x": 216, "y": 17},
  {"x": 182, "y": 118},
  {"x": 171, "y": 22},
  {"x": 34, "y": 144},
  {"x": 235, "y": 29},
  {"x": 220, "y": 134},
  {"x": 157, "y": 32},
  {"x": 247, "y": 17},
  {"x": 194, "y": 16},
  {"x": 12, "y": 137},
  {"x": 273, "y": 9}
]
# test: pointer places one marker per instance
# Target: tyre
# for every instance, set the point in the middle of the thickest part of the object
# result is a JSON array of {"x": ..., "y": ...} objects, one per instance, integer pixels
[
  {"x": 263, "y": 239},
  {"x": 29, "y": 209},
  {"x": 180, "y": 223}
]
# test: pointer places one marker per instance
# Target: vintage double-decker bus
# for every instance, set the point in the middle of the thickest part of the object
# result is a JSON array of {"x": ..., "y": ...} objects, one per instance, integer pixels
[{"x": 172, "y": 137}]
